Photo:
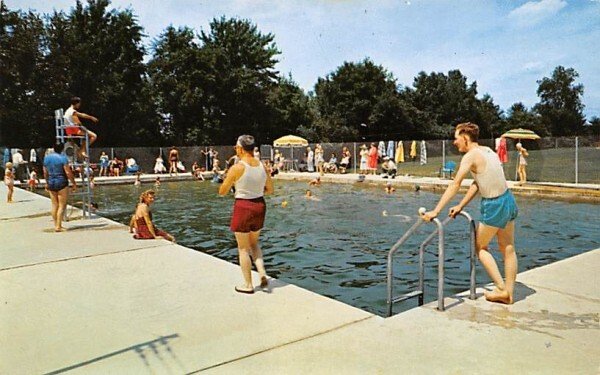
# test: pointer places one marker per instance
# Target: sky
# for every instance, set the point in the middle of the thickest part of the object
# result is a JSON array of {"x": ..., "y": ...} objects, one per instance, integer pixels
[{"x": 506, "y": 46}]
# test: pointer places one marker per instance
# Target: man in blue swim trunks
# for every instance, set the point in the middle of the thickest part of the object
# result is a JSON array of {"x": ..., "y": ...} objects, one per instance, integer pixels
[{"x": 498, "y": 208}]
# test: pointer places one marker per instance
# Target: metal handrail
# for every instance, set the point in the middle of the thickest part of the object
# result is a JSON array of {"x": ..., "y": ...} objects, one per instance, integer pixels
[{"x": 441, "y": 259}]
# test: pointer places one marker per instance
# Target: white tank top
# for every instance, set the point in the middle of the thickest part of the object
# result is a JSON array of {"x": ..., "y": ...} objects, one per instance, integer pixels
[
  {"x": 69, "y": 121},
  {"x": 252, "y": 183},
  {"x": 491, "y": 180}
]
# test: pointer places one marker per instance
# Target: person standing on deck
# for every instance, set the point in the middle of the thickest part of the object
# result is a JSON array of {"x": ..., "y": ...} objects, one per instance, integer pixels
[
  {"x": 498, "y": 208},
  {"x": 252, "y": 182}
]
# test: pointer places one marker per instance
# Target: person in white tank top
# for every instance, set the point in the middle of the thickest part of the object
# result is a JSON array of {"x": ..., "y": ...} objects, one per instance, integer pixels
[
  {"x": 251, "y": 182},
  {"x": 72, "y": 118},
  {"x": 498, "y": 208}
]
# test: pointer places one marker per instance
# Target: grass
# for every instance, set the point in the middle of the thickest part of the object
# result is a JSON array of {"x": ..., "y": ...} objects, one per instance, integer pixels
[{"x": 549, "y": 165}]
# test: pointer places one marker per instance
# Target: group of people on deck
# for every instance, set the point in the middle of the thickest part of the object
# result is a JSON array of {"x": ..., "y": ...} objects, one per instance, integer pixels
[{"x": 251, "y": 180}]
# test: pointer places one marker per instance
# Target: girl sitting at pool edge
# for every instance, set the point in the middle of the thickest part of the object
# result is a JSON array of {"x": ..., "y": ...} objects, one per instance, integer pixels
[{"x": 142, "y": 220}]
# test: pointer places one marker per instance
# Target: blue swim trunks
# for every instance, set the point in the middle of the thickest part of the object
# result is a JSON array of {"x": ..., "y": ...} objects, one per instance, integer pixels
[{"x": 499, "y": 211}]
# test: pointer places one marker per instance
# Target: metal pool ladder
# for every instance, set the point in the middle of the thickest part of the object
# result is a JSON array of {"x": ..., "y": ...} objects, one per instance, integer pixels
[{"x": 421, "y": 291}]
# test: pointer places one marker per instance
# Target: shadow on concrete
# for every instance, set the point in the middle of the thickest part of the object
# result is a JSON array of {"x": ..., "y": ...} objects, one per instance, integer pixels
[
  {"x": 273, "y": 284},
  {"x": 85, "y": 226},
  {"x": 522, "y": 291},
  {"x": 143, "y": 350}
]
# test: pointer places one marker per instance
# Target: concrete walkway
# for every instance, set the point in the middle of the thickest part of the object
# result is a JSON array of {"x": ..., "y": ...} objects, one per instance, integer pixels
[{"x": 92, "y": 300}]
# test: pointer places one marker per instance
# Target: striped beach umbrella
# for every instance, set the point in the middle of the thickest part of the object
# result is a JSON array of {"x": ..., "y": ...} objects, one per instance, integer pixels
[{"x": 520, "y": 134}]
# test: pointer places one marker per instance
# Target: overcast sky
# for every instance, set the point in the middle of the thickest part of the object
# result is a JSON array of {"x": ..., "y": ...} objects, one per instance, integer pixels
[{"x": 506, "y": 46}]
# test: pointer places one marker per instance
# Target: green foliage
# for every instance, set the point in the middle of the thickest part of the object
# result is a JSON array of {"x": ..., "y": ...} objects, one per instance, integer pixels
[
  {"x": 520, "y": 117},
  {"x": 360, "y": 101},
  {"x": 448, "y": 100},
  {"x": 21, "y": 40},
  {"x": 594, "y": 127},
  {"x": 560, "y": 107}
]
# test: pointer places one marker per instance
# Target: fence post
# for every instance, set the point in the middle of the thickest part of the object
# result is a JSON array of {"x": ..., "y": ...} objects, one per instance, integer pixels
[
  {"x": 576, "y": 160},
  {"x": 354, "y": 159},
  {"x": 112, "y": 153},
  {"x": 443, "y": 158}
]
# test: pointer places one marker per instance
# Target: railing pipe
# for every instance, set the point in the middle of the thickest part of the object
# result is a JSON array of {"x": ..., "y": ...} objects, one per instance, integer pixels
[
  {"x": 440, "y": 264},
  {"x": 473, "y": 255},
  {"x": 390, "y": 272}
]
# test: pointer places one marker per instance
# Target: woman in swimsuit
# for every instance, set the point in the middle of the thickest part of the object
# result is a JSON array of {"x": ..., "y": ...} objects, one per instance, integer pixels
[{"x": 142, "y": 220}]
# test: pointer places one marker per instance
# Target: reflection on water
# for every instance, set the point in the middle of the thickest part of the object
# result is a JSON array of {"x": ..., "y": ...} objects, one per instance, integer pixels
[{"x": 337, "y": 246}]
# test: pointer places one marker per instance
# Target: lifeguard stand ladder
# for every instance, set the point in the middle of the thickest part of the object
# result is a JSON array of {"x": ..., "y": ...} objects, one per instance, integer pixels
[
  {"x": 71, "y": 148},
  {"x": 421, "y": 290}
]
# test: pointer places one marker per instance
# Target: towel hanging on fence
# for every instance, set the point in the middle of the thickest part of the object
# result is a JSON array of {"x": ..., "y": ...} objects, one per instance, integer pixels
[
  {"x": 399, "y": 153},
  {"x": 381, "y": 149},
  {"x": 502, "y": 151},
  {"x": 423, "y": 153},
  {"x": 413, "y": 150},
  {"x": 390, "y": 149}
]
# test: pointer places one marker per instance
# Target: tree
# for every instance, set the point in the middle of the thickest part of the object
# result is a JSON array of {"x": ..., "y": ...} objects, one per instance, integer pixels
[
  {"x": 594, "y": 127},
  {"x": 97, "y": 54},
  {"x": 21, "y": 38},
  {"x": 449, "y": 100},
  {"x": 520, "y": 117},
  {"x": 290, "y": 110},
  {"x": 179, "y": 74},
  {"x": 241, "y": 75},
  {"x": 560, "y": 107},
  {"x": 360, "y": 101}
]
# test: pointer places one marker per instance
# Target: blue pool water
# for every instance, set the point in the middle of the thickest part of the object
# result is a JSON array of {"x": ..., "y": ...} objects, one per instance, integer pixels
[{"x": 337, "y": 245}]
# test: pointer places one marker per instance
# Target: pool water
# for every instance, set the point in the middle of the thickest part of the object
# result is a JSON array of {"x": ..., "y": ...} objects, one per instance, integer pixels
[{"x": 337, "y": 245}]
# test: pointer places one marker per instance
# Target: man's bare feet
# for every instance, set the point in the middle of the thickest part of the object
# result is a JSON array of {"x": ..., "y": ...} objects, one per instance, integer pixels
[
  {"x": 264, "y": 282},
  {"x": 500, "y": 296},
  {"x": 61, "y": 229}
]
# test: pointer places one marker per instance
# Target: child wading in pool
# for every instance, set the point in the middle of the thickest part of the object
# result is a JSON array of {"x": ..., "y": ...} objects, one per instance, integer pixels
[{"x": 498, "y": 208}]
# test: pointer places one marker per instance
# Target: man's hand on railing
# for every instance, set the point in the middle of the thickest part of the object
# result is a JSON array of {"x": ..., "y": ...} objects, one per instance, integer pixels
[
  {"x": 427, "y": 216},
  {"x": 454, "y": 211}
]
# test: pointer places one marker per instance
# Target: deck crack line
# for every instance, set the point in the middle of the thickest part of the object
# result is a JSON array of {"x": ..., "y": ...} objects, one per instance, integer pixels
[
  {"x": 282, "y": 345},
  {"x": 590, "y": 299},
  {"x": 79, "y": 257}
]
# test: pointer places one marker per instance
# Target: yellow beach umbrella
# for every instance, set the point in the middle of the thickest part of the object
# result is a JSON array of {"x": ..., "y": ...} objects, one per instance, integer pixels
[
  {"x": 290, "y": 140},
  {"x": 520, "y": 134}
]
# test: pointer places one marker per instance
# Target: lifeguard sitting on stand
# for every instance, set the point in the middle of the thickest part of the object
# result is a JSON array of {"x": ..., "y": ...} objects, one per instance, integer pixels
[{"x": 73, "y": 124}]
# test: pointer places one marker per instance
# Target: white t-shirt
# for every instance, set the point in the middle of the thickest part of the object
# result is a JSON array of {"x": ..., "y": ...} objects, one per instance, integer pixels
[
  {"x": 17, "y": 158},
  {"x": 69, "y": 120}
]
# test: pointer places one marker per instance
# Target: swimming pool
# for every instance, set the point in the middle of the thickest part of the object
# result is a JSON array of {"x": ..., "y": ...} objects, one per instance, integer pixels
[{"x": 337, "y": 246}]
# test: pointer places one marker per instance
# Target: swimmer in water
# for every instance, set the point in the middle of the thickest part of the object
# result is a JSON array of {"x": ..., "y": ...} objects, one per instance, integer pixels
[
  {"x": 315, "y": 182},
  {"x": 309, "y": 195},
  {"x": 389, "y": 189}
]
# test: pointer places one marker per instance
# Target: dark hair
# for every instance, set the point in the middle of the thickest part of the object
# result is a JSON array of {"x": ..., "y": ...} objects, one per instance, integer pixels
[
  {"x": 469, "y": 129},
  {"x": 246, "y": 142},
  {"x": 59, "y": 147},
  {"x": 75, "y": 100}
]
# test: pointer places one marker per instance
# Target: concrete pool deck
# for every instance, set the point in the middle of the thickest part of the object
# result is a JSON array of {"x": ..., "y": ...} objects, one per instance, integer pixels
[{"x": 94, "y": 300}]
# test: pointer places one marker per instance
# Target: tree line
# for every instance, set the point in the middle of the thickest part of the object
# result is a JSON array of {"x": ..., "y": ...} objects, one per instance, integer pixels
[{"x": 193, "y": 88}]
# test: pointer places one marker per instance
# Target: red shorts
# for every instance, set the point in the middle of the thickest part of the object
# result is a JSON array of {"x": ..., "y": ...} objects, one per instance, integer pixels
[
  {"x": 248, "y": 215},
  {"x": 72, "y": 130}
]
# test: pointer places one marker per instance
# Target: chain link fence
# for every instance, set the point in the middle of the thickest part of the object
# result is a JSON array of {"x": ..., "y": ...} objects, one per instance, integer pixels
[{"x": 562, "y": 159}]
